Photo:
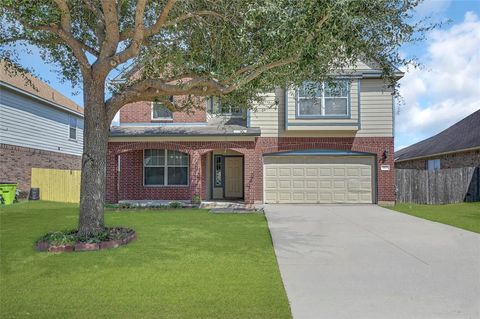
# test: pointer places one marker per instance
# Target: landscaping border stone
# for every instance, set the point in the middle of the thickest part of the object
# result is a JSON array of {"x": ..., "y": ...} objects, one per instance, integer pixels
[{"x": 80, "y": 246}]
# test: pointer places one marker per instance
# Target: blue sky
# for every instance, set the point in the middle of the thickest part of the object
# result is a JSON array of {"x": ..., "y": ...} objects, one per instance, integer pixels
[
  {"x": 447, "y": 87},
  {"x": 443, "y": 92}
]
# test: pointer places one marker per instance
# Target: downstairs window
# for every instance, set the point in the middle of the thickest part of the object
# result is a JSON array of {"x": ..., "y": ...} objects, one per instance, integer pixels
[{"x": 165, "y": 168}]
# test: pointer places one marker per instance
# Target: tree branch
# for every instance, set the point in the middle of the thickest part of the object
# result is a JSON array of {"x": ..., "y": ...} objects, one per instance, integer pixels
[
  {"x": 112, "y": 32},
  {"x": 134, "y": 48},
  {"x": 65, "y": 18},
  {"x": 99, "y": 21},
  {"x": 76, "y": 46},
  {"x": 161, "y": 19},
  {"x": 150, "y": 89},
  {"x": 193, "y": 15}
]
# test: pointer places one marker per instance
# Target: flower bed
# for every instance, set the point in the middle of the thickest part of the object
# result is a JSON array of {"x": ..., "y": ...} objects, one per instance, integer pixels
[{"x": 69, "y": 241}]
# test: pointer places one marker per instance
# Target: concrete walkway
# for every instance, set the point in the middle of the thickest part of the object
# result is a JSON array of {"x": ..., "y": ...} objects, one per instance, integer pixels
[{"x": 364, "y": 261}]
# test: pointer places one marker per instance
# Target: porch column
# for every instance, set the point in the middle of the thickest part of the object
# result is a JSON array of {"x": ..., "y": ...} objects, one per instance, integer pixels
[
  {"x": 111, "y": 191},
  {"x": 253, "y": 177},
  {"x": 196, "y": 174}
]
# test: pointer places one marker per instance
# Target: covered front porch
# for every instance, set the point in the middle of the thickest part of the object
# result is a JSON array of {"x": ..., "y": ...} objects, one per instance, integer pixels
[{"x": 145, "y": 173}]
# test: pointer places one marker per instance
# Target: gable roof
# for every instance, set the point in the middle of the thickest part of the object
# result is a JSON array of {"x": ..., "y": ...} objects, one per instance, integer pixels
[
  {"x": 40, "y": 90},
  {"x": 461, "y": 136}
]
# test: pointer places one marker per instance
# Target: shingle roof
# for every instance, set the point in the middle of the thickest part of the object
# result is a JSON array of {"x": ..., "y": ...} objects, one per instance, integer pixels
[
  {"x": 214, "y": 127},
  {"x": 460, "y": 136},
  {"x": 40, "y": 89}
]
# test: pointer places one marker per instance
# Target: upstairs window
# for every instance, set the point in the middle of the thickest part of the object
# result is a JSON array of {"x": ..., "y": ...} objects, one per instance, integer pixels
[
  {"x": 72, "y": 128},
  {"x": 224, "y": 108},
  {"x": 323, "y": 99},
  {"x": 433, "y": 165},
  {"x": 165, "y": 167},
  {"x": 160, "y": 111}
]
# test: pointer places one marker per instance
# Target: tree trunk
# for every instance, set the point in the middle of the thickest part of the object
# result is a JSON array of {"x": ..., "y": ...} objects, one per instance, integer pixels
[{"x": 95, "y": 140}]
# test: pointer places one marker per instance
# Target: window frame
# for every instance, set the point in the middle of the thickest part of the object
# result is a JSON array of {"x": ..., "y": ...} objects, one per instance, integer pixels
[
  {"x": 165, "y": 167},
  {"x": 74, "y": 128},
  {"x": 434, "y": 161},
  {"x": 211, "y": 102},
  {"x": 222, "y": 169},
  {"x": 164, "y": 118},
  {"x": 322, "y": 114}
]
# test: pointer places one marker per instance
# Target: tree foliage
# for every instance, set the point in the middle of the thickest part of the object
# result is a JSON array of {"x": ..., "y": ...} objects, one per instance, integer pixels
[{"x": 205, "y": 47}]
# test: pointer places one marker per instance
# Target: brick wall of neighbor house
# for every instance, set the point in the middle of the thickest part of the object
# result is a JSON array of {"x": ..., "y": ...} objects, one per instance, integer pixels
[
  {"x": 128, "y": 182},
  {"x": 141, "y": 112},
  {"x": 454, "y": 160},
  {"x": 16, "y": 164}
]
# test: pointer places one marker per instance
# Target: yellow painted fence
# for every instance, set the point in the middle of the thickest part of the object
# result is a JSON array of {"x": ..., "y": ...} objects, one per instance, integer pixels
[{"x": 57, "y": 185}]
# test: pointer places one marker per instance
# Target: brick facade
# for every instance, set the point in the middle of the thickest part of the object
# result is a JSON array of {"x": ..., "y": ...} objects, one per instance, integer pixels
[
  {"x": 16, "y": 164},
  {"x": 128, "y": 182},
  {"x": 141, "y": 112},
  {"x": 453, "y": 160}
]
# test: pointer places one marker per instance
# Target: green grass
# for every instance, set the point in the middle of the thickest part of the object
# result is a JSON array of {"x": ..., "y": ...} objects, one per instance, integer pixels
[
  {"x": 184, "y": 264},
  {"x": 464, "y": 215}
]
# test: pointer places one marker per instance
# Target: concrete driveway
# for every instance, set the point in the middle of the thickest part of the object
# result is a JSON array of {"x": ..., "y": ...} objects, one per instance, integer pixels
[{"x": 364, "y": 261}]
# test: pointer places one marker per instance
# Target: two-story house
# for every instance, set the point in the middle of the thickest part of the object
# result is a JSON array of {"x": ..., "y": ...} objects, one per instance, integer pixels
[
  {"x": 319, "y": 143},
  {"x": 39, "y": 128}
]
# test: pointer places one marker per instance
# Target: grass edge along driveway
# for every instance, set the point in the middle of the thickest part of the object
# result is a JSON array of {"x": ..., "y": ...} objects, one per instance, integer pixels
[
  {"x": 186, "y": 263},
  {"x": 462, "y": 215}
]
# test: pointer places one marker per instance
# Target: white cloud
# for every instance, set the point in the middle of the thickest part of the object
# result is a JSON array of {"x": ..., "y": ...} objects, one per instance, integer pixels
[{"x": 447, "y": 89}]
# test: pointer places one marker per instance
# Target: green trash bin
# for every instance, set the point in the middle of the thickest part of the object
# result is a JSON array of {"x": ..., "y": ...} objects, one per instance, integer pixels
[{"x": 7, "y": 191}]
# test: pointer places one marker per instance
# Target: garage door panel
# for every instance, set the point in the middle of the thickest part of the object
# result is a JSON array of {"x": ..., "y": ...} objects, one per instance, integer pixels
[
  {"x": 325, "y": 171},
  {"x": 339, "y": 184},
  {"x": 298, "y": 196},
  {"x": 298, "y": 172},
  {"x": 318, "y": 179},
  {"x": 271, "y": 184},
  {"x": 271, "y": 172},
  {"x": 311, "y": 184},
  {"x": 311, "y": 197},
  {"x": 284, "y": 196},
  {"x": 298, "y": 184},
  {"x": 284, "y": 184}
]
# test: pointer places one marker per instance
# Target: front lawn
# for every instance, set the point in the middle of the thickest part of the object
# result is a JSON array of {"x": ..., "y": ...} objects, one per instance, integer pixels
[
  {"x": 464, "y": 215},
  {"x": 184, "y": 264}
]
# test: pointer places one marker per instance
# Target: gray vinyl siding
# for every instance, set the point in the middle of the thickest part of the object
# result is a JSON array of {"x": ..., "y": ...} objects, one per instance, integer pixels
[
  {"x": 371, "y": 116},
  {"x": 28, "y": 122},
  {"x": 376, "y": 109},
  {"x": 269, "y": 115}
]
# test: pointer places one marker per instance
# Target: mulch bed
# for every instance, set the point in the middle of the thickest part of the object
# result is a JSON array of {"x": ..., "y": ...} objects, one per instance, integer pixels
[{"x": 70, "y": 242}]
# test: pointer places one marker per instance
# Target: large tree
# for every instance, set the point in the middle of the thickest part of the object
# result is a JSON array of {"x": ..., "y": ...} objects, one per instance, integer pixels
[{"x": 235, "y": 49}]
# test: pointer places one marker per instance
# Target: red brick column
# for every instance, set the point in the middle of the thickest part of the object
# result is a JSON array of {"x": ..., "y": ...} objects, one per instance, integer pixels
[
  {"x": 253, "y": 176},
  {"x": 196, "y": 173},
  {"x": 112, "y": 177}
]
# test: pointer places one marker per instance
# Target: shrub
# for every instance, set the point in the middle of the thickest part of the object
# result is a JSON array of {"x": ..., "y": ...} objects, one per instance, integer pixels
[
  {"x": 71, "y": 237},
  {"x": 175, "y": 205},
  {"x": 59, "y": 238},
  {"x": 196, "y": 199}
]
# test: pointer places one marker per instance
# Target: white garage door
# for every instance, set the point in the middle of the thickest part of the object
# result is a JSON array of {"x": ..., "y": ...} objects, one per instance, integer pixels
[{"x": 318, "y": 179}]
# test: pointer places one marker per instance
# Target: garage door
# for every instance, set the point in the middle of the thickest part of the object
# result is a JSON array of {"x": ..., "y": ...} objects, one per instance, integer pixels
[{"x": 318, "y": 179}]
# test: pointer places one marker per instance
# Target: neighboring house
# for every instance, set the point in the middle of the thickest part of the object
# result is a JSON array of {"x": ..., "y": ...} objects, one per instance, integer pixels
[
  {"x": 332, "y": 146},
  {"x": 457, "y": 146},
  {"x": 39, "y": 127}
]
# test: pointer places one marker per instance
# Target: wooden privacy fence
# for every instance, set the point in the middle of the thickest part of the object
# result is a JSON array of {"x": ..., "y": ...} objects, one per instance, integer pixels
[
  {"x": 445, "y": 186},
  {"x": 57, "y": 185}
]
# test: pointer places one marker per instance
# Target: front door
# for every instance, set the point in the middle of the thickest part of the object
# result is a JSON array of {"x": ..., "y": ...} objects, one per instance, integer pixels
[{"x": 233, "y": 177}]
